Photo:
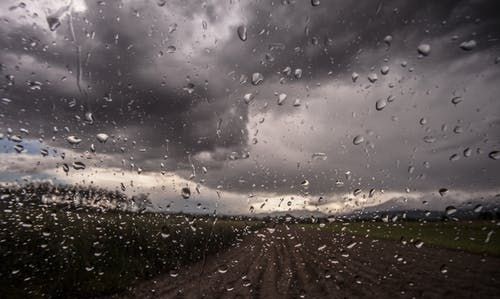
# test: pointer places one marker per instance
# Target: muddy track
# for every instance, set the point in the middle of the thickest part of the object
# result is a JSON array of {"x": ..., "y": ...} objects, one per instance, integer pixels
[{"x": 295, "y": 263}]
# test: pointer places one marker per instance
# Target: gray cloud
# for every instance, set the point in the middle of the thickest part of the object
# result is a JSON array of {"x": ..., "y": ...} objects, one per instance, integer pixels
[{"x": 125, "y": 55}]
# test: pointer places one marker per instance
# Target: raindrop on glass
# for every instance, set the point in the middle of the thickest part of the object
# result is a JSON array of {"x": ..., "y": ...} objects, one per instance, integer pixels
[
  {"x": 354, "y": 76},
  {"x": 281, "y": 98},
  {"x": 380, "y": 104},
  {"x": 248, "y": 97},
  {"x": 495, "y": 155},
  {"x": 186, "y": 193},
  {"x": 242, "y": 32},
  {"x": 257, "y": 78},
  {"x": 73, "y": 140},
  {"x": 102, "y": 137},
  {"x": 298, "y": 73},
  {"x": 450, "y": 210},
  {"x": 358, "y": 140},
  {"x": 372, "y": 77},
  {"x": 456, "y": 100},
  {"x": 468, "y": 45},
  {"x": 388, "y": 40},
  {"x": 424, "y": 49}
]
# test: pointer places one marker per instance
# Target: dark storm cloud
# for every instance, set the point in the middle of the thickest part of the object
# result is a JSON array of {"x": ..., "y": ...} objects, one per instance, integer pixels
[
  {"x": 344, "y": 29},
  {"x": 113, "y": 61},
  {"x": 124, "y": 54}
]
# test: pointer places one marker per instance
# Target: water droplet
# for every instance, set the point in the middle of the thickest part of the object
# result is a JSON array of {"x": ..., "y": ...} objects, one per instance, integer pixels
[
  {"x": 424, "y": 49},
  {"x": 443, "y": 269},
  {"x": 315, "y": 2},
  {"x": 287, "y": 71},
  {"x": 34, "y": 85},
  {"x": 467, "y": 152},
  {"x": 242, "y": 32},
  {"x": 161, "y": 3},
  {"x": 468, "y": 45},
  {"x": 488, "y": 236},
  {"x": 53, "y": 22},
  {"x": 354, "y": 76},
  {"x": 16, "y": 138},
  {"x": 186, "y": 193},
  {"x": 189, "y": 88},
  {"x": 102, "y": 137},
  {"x": 248, "y": 97},
  {"x": 423, "y": 121},
  {"x": 478, "y": 208},
  {"x": 257, "y": 78},
  {"x": 6, "y": 101},
  {"x": 443, "y": 191},
  {"x": 411, "y": 169},
  {"x": 384, "y": 70},
  {"x": 458, "y": 130},
  {"x": 319, "y": 156},
  {"x": 358, "y": 140},
  {"x": 298, "y": 73},
  {"x": 271, "y": 230},
  {"x": 450, "y": 210},
  {"x": 107, "y": 97},
  {"x": 296, "y": 103},
  {"x": 172, "y": 28},
  {"x": 388, "y": 40},
  {"x": 356, "y": 192},
  {"x": 171, "y": 49},
  {"x": 73, "y": 140},
  {"x": 380, "y": 104},
  {"x": 54, "y": 19},
  {"x": 222, "y": 269},
  {"x": 429, "y": 139},
  {"x": 454, "y": 157},
  {"x": 246, "y": 282},
  {"x": 19, "y": 148},
  {"x": 372, "y": 77},
  {"x": 419, "y": 243},
  {"x": 305, "y": 183},
  {"x": 89, "y": 117},
  {"x": 456, "y": 100},
  {"x": 495, "y": 155},
  {"x": 78, "y": 165},
  {"x": 281, "y": 98}
]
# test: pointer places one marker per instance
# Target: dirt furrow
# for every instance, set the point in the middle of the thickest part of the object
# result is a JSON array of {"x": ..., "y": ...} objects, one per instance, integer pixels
[{"x": 293, "y": 262}]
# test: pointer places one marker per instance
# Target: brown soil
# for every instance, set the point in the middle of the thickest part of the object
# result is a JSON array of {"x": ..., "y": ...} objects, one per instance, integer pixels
[{"x": 290, "y": 263}]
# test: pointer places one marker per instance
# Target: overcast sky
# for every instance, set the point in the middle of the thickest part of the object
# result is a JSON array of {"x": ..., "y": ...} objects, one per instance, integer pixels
[{"x": 170, "y": 82}]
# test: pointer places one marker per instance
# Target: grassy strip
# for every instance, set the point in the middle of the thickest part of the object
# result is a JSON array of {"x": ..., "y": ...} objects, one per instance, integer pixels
[
  {"x": 48, "y": 252},
  {"x": 468, "y": 236}
]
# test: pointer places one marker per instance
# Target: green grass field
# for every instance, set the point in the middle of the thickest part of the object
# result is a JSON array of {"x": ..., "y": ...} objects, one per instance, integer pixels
[
  {"x": 467, "y": 236},
  {"x": 58, "y": 252},
  {"x": 50, "y": 252}
]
